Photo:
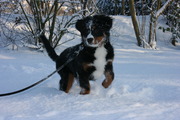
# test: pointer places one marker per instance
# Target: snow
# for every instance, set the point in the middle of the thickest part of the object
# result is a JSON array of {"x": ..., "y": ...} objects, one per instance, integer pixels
[{"x": 146, "y": 85}]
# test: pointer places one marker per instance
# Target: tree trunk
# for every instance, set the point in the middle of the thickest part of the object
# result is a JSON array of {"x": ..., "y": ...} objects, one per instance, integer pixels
[
  {"x": 134, "y": 21},
  {"x": 123, "y": 7},
  {"x": 152, "y": 31},
  {"x": 116, "y": 12}
]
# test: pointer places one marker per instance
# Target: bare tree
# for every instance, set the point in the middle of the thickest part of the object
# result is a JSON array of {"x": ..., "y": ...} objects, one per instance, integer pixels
[
  {"x": 54, "y": 17},
  {"x": 156, "y": 11},
  {"x": 44, "y": 18},
  {"x": 35, "y": 16}
]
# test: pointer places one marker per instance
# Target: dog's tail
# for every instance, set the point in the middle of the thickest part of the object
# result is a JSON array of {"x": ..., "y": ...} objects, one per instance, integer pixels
[{"x": 50, "y": 50}]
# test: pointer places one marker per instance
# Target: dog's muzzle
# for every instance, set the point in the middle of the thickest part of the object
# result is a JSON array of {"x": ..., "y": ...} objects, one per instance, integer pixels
[
  {"x": 95, "y": 41},
  {"x": 90, "y": 40}
]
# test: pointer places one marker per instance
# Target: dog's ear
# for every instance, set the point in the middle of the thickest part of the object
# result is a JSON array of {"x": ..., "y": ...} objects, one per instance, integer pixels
[
  {"x": 79, "y": 25},
  {"x": 108, "y": 22}
]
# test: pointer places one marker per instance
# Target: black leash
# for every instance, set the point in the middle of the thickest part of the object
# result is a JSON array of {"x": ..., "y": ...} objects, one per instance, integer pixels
[{"x": 76, "y": 53}]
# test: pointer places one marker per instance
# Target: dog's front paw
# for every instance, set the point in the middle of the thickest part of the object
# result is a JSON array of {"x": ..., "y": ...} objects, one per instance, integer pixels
[
  {"x": 106, "y": 83},
  {"x": 84, "y": 91},
  {"x": 109, "y": 78}
]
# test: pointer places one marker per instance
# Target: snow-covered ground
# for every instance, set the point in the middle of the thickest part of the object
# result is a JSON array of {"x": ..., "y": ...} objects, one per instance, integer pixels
[{"x": 146, "y": 85}]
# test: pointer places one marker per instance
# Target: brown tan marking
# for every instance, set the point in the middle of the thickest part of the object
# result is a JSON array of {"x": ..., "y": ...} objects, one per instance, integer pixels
[
  {"x": 110, "y": 61},
  {"x": 70, "y": 82},
  {"x": 86, "y": 66},
  {"x": 85, "y": 91},
  {"x": 98, "y": 39}
]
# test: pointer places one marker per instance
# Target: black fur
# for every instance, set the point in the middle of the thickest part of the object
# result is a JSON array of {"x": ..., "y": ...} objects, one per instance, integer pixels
[
  {"x": 82, "y": 66},
  {"x": 52, "y": 54}
]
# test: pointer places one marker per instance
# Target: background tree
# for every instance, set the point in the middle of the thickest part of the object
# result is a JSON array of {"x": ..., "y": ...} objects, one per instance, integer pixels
[
  {"x": 173, "y": 21},
  {"x": 134, "y": 21},
  {"x": 155, "y": 10},
  {"x": 110, "y": 7},
  {"x": 123, "y": 7},
  {"x": 88, "y": 7},
  {"x": 155, "y": 13}
]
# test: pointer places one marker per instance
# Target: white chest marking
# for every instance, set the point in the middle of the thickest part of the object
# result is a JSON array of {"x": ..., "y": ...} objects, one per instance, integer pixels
[{"x": 100, "y": 62}]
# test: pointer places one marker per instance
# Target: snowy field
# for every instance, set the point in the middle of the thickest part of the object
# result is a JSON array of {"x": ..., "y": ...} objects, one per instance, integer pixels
[{"x": 146, "y": 85}]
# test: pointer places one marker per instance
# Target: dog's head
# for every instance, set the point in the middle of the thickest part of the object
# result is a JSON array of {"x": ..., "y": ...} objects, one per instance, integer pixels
[{"x": 94, "y": 30}]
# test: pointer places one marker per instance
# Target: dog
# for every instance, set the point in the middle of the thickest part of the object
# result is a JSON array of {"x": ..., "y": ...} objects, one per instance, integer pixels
[{"x": 94, "y": 60}]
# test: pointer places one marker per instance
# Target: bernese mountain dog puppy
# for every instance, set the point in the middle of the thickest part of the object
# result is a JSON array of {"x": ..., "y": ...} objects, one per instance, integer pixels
[{"x": 94, "y": 60}]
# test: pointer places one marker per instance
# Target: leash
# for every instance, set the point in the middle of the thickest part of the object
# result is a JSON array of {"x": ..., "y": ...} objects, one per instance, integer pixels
[{"x": 74, "y": 55}]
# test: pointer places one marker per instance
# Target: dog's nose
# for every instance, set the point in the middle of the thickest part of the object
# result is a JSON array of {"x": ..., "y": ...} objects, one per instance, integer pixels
[{"x": 90, "y": 40}]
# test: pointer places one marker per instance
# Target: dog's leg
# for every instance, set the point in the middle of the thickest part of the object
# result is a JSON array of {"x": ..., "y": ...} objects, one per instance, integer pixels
[
  {"x": 85, "y": 85},
  {"x": 69, "y": 82},
  {"x": 66, "y": 82},
  {"x": 109, "y": 74}
]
